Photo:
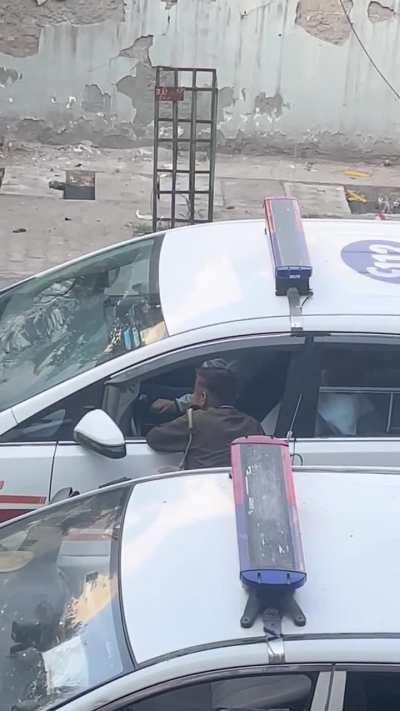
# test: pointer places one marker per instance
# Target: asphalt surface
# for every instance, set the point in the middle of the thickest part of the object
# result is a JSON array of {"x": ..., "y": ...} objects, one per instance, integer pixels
[{"x": 38, "y": 229}]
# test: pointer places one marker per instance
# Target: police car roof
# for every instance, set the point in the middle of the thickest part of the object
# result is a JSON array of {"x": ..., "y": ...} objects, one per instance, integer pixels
[
  {"x": 180, "y": 570},
  {"x": 222, "y": 272}
]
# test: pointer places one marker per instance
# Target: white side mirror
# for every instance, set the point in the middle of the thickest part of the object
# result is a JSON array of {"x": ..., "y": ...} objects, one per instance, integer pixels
[{"x": 98, "y": 432}]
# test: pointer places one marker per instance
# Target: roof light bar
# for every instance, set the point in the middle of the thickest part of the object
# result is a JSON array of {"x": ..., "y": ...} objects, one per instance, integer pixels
[
  {"x": 269, "y": 540},
  {"x": 284, "y": 226}
]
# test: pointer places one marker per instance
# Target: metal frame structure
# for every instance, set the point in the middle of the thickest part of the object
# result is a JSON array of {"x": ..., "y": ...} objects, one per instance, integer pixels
[{"x": 175, "y": 93}]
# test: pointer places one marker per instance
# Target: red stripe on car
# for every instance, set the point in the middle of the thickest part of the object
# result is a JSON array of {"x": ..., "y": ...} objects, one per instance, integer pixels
[
  {"x": 12, "y": 499},
  {"x": 8, "y": 514}
]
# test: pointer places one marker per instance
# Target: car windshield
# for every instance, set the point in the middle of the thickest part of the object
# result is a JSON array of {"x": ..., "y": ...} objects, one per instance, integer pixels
[
  {"x": 60, "y": 618},
  {"x": 58, "y": 325}
]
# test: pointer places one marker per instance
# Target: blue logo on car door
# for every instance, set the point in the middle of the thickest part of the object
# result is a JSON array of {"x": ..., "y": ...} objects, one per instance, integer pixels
[{"x": 374, "y": 258}]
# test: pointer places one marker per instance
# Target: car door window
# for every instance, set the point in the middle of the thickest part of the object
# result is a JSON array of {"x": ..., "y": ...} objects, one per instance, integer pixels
[
  {"x": 261, "y": 372},
  {"x": 372, "y": 691},
  {"x": 359, "y": 392},
  {"x": 281, "y": 692},
  {"x": 57, "y": 422}
]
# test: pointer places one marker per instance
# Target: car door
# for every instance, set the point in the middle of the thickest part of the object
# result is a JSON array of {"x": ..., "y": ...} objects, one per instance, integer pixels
[
  {"x": 82, "y": 469},
  {"x": 25, "y": 474},
  {"x": 27, "y": 451},
  {"x": 354, "y": 403}
]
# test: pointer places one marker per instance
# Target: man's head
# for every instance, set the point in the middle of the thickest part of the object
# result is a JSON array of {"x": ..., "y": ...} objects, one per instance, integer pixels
[{"x": 215, "y": 385}]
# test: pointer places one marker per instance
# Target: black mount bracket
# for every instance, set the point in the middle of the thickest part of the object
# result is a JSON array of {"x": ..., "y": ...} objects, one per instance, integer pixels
[{"x": 272, "y": 605}]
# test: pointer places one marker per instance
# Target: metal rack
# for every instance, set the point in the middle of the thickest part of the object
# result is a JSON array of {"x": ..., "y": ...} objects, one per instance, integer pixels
[{"x": 185, "y": 123}]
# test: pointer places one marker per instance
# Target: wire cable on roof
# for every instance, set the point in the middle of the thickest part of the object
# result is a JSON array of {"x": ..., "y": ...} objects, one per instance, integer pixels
[{"x": 365, "y": 50}]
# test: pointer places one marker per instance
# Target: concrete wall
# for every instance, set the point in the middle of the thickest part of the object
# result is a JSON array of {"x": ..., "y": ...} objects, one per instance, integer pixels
[{"x": 291, "y": 73}]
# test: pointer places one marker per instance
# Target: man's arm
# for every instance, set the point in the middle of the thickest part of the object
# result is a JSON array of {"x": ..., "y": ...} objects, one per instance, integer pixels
[
  {"x": 170, "y": 437},
  {"x": 172, "y": 407}
]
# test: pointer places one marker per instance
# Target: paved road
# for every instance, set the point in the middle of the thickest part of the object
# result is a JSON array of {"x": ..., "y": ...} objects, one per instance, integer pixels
[{"x": 38, "y": 229}]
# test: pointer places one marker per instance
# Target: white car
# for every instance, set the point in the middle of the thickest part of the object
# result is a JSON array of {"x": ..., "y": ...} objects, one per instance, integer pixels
[
  {"x": 101, "y": 332},
  {"x": 129, "y": 599}
]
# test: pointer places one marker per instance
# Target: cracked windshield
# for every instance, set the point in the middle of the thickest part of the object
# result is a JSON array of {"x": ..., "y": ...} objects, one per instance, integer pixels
[{"x": 199, "y": 305}]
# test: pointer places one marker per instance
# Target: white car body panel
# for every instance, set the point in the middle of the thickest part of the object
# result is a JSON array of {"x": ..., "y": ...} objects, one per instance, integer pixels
[
  {"x": 25, "y": 474},
  {"x": 346, "y": 537},
  {"x": 228, "y": 274},
  {"x": 84, "y": 470},
  {"x": 350, "y": 451}
]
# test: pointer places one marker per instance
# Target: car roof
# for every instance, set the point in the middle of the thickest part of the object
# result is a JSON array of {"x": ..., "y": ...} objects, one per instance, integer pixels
[
  {"x": 221, "y": 272},
  {"x": 180, "y": 570}
]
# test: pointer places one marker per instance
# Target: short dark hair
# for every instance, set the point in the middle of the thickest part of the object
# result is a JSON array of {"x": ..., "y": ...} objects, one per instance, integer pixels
[{"x": 220, "y": 383}]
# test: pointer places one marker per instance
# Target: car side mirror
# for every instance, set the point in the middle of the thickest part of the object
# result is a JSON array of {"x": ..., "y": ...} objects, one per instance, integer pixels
[
  {"x": 62, "y": 494},
  {"x": 98, "y": 432}
]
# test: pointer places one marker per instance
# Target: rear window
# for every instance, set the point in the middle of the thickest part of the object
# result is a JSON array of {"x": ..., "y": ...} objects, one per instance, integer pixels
[{"x": 56, "y": 326}]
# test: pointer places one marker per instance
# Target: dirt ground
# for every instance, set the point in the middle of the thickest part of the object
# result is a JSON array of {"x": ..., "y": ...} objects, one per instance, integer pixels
[{"x": 38, "y": 228}]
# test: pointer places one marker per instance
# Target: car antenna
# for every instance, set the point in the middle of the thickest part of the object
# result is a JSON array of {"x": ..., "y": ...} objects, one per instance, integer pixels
[{"x": 289, "y": 436}]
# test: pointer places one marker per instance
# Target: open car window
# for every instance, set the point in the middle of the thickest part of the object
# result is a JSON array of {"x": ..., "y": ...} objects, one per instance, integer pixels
[
  {"x": 58, "y": 325},
  {"x": 261, "y": 373}
]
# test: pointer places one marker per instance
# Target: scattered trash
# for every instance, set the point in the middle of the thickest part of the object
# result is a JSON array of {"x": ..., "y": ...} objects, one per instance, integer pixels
[
  {"x": 387, "y": 163},
  {"x": 352, "y": 196},
  {"x": 143, "y": 217},
  {"x": 41, "y": 2},
  {"x": 56, "y": 185},
  {"x": 78, "y": 185},
  {"x": 68, "y": 219},
  {"x": 78, "y": 165},
  {"x": 355, "y": 173},
  {"x": 71, "y": 101},
  {"x": 19, "y": 230}
]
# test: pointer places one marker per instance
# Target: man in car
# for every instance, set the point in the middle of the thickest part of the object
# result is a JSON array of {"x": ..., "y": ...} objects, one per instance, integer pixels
[{"x": 205, "y": 432}]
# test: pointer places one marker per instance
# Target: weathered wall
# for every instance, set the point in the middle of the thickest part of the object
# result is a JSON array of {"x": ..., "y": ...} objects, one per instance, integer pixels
[{"x": 291, "y": 72}]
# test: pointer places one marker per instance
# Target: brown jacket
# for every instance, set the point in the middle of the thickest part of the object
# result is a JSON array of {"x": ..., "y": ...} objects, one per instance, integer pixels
[{"x": 213, "y": 431}]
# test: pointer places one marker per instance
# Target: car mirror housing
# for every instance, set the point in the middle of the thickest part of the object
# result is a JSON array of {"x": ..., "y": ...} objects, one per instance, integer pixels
[{"x": 98, "y": 432}]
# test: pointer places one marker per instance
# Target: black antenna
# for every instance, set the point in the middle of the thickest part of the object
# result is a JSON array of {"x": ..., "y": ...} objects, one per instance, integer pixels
[
  {"x": 290, "y": 431},
  {"x": 289, "y": 435}
]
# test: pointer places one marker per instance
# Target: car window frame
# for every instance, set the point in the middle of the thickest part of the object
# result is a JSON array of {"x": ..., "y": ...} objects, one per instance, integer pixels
[
  {"x": 59, "y": 404},
  {"x": 173, "y": 358},
  {"x": 357, "y": 667},
  {"x": 221, "y": 674},
  {"x": 323, "y": 341},
  {"x": 168, "y": 359}
]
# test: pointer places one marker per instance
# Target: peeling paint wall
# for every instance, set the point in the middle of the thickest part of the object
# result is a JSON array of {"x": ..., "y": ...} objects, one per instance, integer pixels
[{"x": 291, "y": 73}]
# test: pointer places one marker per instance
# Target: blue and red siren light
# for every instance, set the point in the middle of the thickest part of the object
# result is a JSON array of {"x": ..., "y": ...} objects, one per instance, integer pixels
[
  {"x": 284, "y": 226},
  {"x": 269, "y": 539}
]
